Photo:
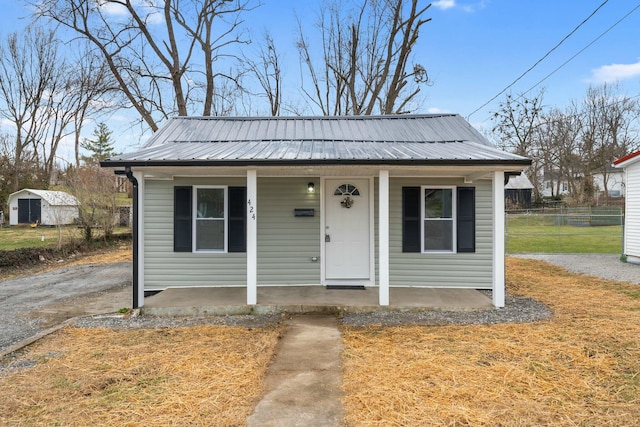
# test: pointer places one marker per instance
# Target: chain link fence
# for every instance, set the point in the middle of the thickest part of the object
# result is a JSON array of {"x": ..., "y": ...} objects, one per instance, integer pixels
[{"x": 565, "y": 230}]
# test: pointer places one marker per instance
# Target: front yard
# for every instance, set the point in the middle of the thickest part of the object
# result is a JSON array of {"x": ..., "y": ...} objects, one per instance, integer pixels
[{"x": 579, "y": 368}]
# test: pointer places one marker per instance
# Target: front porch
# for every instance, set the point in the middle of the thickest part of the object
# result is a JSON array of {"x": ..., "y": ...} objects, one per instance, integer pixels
[{"x": 309, "y": 299}]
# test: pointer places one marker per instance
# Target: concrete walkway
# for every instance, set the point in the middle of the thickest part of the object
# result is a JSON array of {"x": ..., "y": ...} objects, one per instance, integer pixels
[{"x": 303, "y": 385}]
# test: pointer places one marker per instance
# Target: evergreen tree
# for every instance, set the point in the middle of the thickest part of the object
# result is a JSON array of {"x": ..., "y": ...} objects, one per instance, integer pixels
[{"x": 101, "y": 147}]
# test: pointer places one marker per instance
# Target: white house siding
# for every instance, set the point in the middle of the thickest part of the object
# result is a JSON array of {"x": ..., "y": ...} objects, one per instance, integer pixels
[
  {"x": 459, "y": 270},
  {"x": 287, "y": 244},
  {"x": 632, "y": 217},
  {"x": 164, "y": 268}
]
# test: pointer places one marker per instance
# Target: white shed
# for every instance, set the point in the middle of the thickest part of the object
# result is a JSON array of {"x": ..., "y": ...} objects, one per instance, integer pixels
[
  {"x": 29, "y": 206},
  {"x": 631, "y": 165}
]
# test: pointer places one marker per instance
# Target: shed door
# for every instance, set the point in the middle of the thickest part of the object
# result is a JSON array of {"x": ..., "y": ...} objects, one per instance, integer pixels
[
  {"x": 347, "y": 229},
  {"x": 29, "y": 211}
]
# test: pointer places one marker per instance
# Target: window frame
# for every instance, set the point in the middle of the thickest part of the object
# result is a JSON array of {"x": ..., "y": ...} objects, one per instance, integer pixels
[
  {"x": 453, "y": 220},
  {"x": 194, "y": 213}
]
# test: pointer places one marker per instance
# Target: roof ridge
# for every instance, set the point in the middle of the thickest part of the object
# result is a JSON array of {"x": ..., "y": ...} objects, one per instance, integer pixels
[{"x": 352, "y": 117}]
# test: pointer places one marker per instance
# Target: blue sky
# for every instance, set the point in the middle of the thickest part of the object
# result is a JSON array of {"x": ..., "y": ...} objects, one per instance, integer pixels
[{"x": 473, "y": 49}]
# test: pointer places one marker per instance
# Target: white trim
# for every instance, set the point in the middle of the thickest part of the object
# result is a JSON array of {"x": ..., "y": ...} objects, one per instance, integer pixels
[
  {"x": 383, "y": 236},
  {"x": 139, "y": 176},
  {"x": 323, "y": 232},
  {"x": 194, "y": 227},
  {"x": 454, "y": 218},
  {"x": 372, "y": 234},
  {"x": 252, "y": 237},
  {"x": 498, "y": 239}
]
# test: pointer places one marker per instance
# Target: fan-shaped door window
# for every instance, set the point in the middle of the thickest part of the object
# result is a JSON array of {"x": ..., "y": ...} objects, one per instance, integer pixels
[{"x": 346, "y": 191}]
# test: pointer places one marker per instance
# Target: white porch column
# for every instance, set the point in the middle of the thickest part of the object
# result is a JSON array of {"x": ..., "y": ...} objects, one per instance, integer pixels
[
  {"x": 252, "y": 238},
  {"x": 383, "y": 236},
  {"x": 139, "y": 176},
  {"x": 498, "y": 239}
]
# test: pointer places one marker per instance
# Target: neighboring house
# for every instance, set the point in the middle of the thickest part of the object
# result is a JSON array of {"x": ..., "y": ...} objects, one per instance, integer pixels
[
  {"x": 42, "y": 207},
  {"x": 630, "y": 164},
  {"x": 382, "y": 201},
  {"x": 517, "y": 192},
  {"x": 614, "y": 184}
]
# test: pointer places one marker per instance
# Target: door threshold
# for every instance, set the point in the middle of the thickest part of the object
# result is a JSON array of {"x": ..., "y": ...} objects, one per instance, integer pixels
[{"x": 347, "y": 287}]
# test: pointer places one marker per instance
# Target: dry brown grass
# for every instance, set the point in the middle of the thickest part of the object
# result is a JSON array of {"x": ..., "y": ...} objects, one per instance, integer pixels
[
  {"x": 204, "y": 375},
  {"x": 582, "y": 367}
]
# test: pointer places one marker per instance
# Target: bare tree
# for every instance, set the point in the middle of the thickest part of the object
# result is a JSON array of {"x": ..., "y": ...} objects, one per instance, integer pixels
[
  {"x": 516, "y": 127},
  {"x": 167, "y": 56},
  {"x": 94, "y": 94},
  {"x": 29, "y": 81},
  {"x": 366, "y": 58},
  {"x": 609, "y": 130},
  {"x": 97, "y": 194},
  {"x": 558, "y": 141},
  {"x": 267, "y": 70}
]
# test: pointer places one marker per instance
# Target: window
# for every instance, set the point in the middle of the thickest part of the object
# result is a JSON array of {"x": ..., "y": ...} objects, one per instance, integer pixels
[
  {"x": 209, "y": 233},
  {"x": 209, "y": 219},
  {"x": 438, "y": 232},
  {"x": 438, "y": 219}
]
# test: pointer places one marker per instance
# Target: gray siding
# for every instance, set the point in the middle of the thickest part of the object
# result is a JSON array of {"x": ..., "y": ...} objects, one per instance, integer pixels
[
  {"x": 287, "y": 243},
  {"x": 461, "y": 270},
  {"x": 164, "y": 268}
]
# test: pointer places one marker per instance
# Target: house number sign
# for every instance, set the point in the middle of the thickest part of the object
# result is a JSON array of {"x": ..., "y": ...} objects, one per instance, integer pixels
[{"x": 252, "y": 213}]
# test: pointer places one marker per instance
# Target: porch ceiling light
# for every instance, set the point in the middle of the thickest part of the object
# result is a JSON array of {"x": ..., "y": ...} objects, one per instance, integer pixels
[{"x": 311, "y": 187}]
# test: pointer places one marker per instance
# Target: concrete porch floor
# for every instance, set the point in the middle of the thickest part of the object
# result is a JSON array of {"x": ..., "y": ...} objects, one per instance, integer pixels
[{"x": 308, "y": 299}]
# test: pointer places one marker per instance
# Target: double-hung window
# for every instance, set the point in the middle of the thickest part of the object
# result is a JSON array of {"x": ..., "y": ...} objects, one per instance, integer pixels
[
  {"x": 438, "y": 213},
  {"x": 438, "y": 219},
  {"x": 210, "y": 206},
  {"x": 209, "y": 218}
]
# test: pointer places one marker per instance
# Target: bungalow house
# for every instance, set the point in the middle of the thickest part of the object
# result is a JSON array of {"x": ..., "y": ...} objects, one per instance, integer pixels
[
  {"x": 42, "y": 207},
  {"x": 384, "y": 201},
  {"x": 631, "y": 166}
]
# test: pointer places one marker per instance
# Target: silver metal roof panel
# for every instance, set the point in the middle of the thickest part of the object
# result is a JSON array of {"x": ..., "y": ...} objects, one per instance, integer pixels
[{"x": 326, "y": 140}]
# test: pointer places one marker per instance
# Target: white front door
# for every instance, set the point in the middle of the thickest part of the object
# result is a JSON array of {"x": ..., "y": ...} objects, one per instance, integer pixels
[{"x": 347, "y": 229}]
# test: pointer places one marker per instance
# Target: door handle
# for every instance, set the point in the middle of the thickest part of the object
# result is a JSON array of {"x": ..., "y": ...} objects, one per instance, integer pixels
[{"x": 327, "y": 238}]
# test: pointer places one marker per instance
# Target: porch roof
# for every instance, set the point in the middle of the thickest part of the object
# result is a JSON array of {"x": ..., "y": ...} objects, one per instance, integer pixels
[{"x": 360, "y": 140}]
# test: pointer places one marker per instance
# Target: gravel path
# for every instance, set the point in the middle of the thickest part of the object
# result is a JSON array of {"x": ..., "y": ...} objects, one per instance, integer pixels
[
  {"x": 599, "y": 265},
  {"x": 32, "y": 304}
]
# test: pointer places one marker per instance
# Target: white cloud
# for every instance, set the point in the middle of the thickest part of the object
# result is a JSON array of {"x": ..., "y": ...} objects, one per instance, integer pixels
[
  {"x": 615, "y": 72},
  {"x": 444, "y": 4},
  {"x": 450, "y": 4},
  {"x": 436, "y": 110}
]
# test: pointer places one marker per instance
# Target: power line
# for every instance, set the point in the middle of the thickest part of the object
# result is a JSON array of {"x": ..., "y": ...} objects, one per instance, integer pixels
[
  {"x": 539, "y": 60},
  {"x": 582, "y": 50}
]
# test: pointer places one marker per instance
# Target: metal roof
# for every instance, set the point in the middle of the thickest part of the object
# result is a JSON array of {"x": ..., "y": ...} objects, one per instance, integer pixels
[
  {"x": 407, "y": 139},
  {"x": 53, "y": 198}
]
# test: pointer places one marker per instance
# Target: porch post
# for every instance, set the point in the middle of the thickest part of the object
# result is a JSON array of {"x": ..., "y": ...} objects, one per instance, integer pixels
[
  {"x": 252, "y": 238},
  {"x": 498, "y": 239},
  {"x": 139, "y": 217},
  {"x": 383, "y": 236}
]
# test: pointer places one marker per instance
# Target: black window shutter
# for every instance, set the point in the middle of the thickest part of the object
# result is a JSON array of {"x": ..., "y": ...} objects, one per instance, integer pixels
[
  {"x": 466, "y": 223},
  {"x": 237, "y": 221},
  {"x": 411, "y": 219},
  {"x": 182, "y": 219}
]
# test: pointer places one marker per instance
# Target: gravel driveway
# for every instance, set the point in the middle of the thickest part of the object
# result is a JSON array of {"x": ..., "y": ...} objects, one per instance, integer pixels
[
  {"x": 598, "y": 265},
  {"x": 29, "y": 305}
]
